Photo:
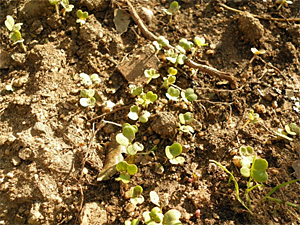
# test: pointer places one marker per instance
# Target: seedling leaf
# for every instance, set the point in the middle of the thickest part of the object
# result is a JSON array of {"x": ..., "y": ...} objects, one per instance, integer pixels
[
  {"x": 187, "y": 129},
  {"x": 122, "y": 140},
  {"x": 289, "y": 130},
  {"x": 173, "y": 94},
  {"x": 259, "y": 170},
  {"x": 200, "y": 41},
  {"x": 122, "y": 166},
  {"x": 189, "y": 95},
  {"x": 173, "y": 150},
  {"x": 172, "y": 217},
  {"x": 85, "y": 102},
  {"x": 185, "y": 44},
  {"x": 132, "y": 169},
  {"x": 9, "y": 23},
  {"x": 186, "y": 118},
  {"x": 134, "y": 148},
  {"x": 125, "y": 178}
]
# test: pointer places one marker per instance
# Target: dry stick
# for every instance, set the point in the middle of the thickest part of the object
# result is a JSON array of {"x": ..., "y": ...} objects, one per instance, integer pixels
[
  {"x": 261, "y": 17},
  {"x": 203, "y": 68}
]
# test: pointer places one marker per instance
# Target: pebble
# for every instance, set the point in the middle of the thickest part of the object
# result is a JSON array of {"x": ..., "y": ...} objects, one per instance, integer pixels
[
  {"x": 10, "y": 174},
  {"x": 15, "y": 160},
  {"x": 130, "y": 207},
  {"x": 19, "y": 82},
  {"x": 156, "y": 141}
]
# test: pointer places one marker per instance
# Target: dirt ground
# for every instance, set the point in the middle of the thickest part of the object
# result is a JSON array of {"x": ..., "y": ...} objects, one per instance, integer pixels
[{"x": 52, "y": 149}]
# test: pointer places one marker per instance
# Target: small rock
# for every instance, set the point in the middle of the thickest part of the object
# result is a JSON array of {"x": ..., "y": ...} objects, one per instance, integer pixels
[
  {"x": 130, "y": 207},
  {"x": 250, "y": 27},
  {"x": 25, "y": 153},
  {"x": 15, "y": 160},
  {"x": 93, "y": 213},
  {"x": 19, "y": 82},
  {"x": 165, "y": 124},
  {"x": 98, "y": 5},
  {"x": 19, "y": 59},
  {"x": 40, "y": 129},
  {"x": 296, "y": 167}
]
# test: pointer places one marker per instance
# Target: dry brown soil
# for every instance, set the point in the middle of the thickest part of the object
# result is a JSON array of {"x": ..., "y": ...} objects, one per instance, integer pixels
[{"x": 50, "y": 157}]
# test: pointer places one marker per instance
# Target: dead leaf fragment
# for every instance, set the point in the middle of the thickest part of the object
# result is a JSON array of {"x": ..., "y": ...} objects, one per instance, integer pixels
[{"x": 121, "y": 20}]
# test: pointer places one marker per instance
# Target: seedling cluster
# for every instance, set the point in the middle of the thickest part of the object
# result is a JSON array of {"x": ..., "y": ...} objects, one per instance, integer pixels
[
  {"x": 15, "y": 33},
  {"x": 67, "y": 7},
  {"x": 88, "y": 96}
]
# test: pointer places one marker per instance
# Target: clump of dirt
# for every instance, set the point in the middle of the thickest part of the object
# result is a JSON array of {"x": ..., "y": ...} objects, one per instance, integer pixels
[{"x": 53, "y": 150}]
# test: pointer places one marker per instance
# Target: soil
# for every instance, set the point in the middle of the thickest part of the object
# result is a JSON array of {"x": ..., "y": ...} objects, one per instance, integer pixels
[{"x": 52, "y": 149}]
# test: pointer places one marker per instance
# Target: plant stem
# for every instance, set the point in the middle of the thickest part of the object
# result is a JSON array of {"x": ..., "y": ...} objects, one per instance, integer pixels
[
  {"x": 284, "y": 202},
  {"x": 237, "y": 190},
  {"x": 57, "y": 9},
  {"x": 23, "y": 47}
]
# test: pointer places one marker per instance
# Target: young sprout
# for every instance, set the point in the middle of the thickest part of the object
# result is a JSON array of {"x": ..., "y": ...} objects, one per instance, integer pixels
[
  {"x": 153, "y": 217},
  {"x": 154, "y": 198},
  {"x": 151, "y": 74},
  {"x": 147, "y": 98},
  {"x": 173, "y": 8},
  {"x": 172, "y": 217},
  {"x": 87, "y": 98},
  {"x": 135, "y": 194},
  {"x": 15, "y": 34},
  {"x": 172, "y": 152},
  {"x": 258, "y": 170},
  {"x": 82, "y": 16},
  {"x": 134, "y": 148},
  {"x": 186, "y": 119},
  {"x": 133, "y": 222},
  {"x": 160, "y": 43},
  {"x": 85, "y": 79},
  {"x": 173, "y": 94},
  {"x": 291, "y": 129},
  {"x": 67, "y": 6},
  {"x": 136, "y": 114},
  {"x": 200, "y": 42},
  {"x": 126, "y": 170},
  {"x": 128, "y": 134},
  {"x": 258, "y": 52},
  {"x": 172, "y": 71},
  {"x": 95, "y": 78},
  {"x": 283, "y": 2},
  {"x": 135, "y": 90},
  {"x": 169, "y": 80},
  {"x": 247, "y": 158},
  {"x": 55, "y": 3},
  {"x": 185, "y": 44},
  {"x": 189, "y": 95}
]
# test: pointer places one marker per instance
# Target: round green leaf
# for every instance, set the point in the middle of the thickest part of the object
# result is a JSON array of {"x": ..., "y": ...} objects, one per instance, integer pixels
[
  {"x": 150, "y": 96},
  {"x": 125, "y": 178},
  {"x": 172, "y": 71},
  {"x": 162, "y": 41},
  {"x": 122, "y": 140},
  {"x": 187, "y": 45},
  {"x": 144, "y": 117},
  {"x": 171, "y": 217},
  {"x": 132, "y": 169},
  {"x": 173, "y": 150},
  {"x": 134, "y": 148},
  {"x": 129, "y": 132},
  {"x": 186, "y": 118},
  {"x": 122, "y": 166},
  {"x": 260, "y": 164},
  {"x": 245, "y": 171},
  {"x": 200, "y": 41},
  {"x": 85, "y": 102},
  {"x": 260, "y": 176},
  {"x": 16, "y": 36}
]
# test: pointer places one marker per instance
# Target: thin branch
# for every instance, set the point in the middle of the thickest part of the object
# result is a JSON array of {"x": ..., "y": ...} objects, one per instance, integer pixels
[
  {"x": 203, "y": 68},
  {"x": 261, "y": 17}
]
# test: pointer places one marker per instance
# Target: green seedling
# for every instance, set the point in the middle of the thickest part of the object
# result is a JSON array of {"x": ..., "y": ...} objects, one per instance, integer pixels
[
  {"x": 128, "y": 134},
  {"x": 86, "y": 79},
  {"x": 246, "y": 160},
  {"x": 169, "y": 80},
  {"x": 172, "y": 217},
  {"x": 136, "y": 114},
  {"x": 172, "y": 71},
  {"x": 185, "y": 44},
  {"x": 200, "y": 42},
  {"x": 55, "y": 3},
  {"x": 15, "y": 34},
  {"x": 173, "y": 94},
  {"x": 154, "y": 198},
  {"x": 173, "y": 8},
  {"x": 291, "y": 129},
  {"x": 87, "y": 98},
  {"x": 186, "y": 119},
  {"x": 82, "y": 16},
  {"x": 161, "y": 43},
  {"x": 126, "y": 170},
  {"x": 145, "y": 99},
  {"x": 135, "y": 90},
  {"x": 134, "y": 148},
  {"x": 189, "y": 95},
  {"x": 67, "y": 6},
  {"x": 173, "y": 152},
  {"x": 135, "y": 194},
  {"x": 133, "y": 222},
  {"x": 176, "y": 56},
  {"x": 151, "y": 74},
  {"x": 154, "y": 217},
  {"x": 253, "y": 118},
  {"x": 283, "y": 3}
]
